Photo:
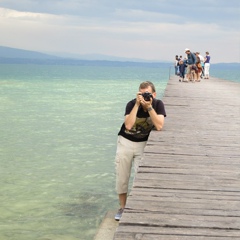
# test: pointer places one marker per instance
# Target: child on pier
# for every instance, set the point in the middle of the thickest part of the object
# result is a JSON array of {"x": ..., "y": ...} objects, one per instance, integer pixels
[{"x": 182, "y": 69}]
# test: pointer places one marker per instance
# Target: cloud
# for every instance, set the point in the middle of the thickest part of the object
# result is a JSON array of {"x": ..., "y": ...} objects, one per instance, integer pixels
[
  {"x": 9, "y": 14},
  {"x": 122, "y": 28}
]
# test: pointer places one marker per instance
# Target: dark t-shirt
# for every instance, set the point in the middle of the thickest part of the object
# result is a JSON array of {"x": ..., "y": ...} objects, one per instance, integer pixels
[
  {"x": 143, "y": 125},
  {"x": 207, "y": 59}
]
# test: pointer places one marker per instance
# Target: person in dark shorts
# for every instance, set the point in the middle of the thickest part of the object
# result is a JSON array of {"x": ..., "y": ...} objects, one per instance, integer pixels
[{"x": 182, "y": 70}]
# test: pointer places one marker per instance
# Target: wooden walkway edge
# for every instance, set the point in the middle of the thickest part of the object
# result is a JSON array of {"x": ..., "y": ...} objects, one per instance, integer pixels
[{"x": 188, "y": 185}]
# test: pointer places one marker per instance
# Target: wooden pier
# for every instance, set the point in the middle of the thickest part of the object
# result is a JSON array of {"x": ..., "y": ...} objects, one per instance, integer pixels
[{"x": 188, "y": 186}]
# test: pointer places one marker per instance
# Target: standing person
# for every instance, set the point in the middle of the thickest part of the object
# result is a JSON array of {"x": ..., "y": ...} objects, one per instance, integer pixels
[
  {"x": 142, "y": 114},
  {"x": 191, "y": 60},
  {"x": 176, "y": 64},
  {"x": 182, "y": 69},
  {"x": 202, "y": 63},
  {"x": 199, "y": 67},
  {"x": 206, "y": 65}
]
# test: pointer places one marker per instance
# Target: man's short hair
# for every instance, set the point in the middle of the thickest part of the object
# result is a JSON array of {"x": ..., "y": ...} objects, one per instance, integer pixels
[{"x": 146, "y": 84}]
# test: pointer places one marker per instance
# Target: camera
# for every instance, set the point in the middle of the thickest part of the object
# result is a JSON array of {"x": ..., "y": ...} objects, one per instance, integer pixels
[{"x": 147, "y": 96}]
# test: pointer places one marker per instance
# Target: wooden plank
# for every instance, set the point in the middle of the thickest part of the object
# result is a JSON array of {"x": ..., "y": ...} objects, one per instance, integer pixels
[
  {"x": 180, "y": 235},
  {"x": 217, "y": 177},
  {"x": 186, "y": 159},
  {"x": 234, "y": 196},
  {"x": 206, "y": 232},
  {"x": 186, "y": 185},
  {"x": 189, "y": 206},
  {"x": 196, "y": 150},
  {"x": 180, "y": 220}
]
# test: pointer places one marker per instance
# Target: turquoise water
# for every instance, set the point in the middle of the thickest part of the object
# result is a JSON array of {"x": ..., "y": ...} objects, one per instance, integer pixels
[
  {"x": 58, "y": 128},
  {"x": 231, "y": 73}
]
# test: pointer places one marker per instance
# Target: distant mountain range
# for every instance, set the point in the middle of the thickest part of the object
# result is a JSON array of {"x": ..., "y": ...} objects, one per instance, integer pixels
[
  {"x": 7, "y": 52},
  {"x": 14, "y": 53},
  {"x": 99, "y": 57},
  {"x": 19, "y": 56}
]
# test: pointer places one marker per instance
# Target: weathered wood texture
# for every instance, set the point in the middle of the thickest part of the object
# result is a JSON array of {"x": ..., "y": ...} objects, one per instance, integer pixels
[{"x": 188, "y": 185}]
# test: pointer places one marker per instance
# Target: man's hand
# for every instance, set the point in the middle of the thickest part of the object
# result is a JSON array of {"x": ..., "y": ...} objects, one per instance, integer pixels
[
  {"x": 146, "y": 104},
  {"x": 140, "y": 100}
]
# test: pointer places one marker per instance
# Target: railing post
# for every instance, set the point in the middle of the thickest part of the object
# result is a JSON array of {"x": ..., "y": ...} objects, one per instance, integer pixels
[{"x": 169, "y": 72}]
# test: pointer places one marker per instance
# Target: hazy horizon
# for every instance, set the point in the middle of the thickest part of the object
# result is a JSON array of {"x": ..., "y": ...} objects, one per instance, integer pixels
[{"x": 16, "y": 53}]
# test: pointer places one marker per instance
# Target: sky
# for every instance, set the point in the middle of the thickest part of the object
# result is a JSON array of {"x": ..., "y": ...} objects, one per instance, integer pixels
[{"x": 144, "y": 29}]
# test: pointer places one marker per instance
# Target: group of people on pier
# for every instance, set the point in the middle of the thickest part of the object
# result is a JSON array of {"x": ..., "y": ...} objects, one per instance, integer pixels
[{"x": 193, "y": 67}]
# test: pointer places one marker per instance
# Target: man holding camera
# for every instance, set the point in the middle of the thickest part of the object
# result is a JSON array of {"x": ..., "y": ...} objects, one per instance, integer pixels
[{"x": 142, "y": 114}]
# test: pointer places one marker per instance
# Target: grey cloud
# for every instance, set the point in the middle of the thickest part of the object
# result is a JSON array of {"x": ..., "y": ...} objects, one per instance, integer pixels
[
  {"x": 203, "y": 10},
  {"x": 220, "y": 12}
]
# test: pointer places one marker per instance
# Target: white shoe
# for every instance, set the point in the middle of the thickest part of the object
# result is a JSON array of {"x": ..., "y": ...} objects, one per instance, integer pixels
[{"x": 119, "y": 214}]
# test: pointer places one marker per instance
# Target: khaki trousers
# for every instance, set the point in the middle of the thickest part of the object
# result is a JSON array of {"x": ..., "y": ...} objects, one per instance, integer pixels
[{"x": 128, "y": 152}]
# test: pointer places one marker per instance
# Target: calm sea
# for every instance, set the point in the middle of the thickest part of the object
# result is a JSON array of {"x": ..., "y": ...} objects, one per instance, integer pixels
[{"x": 58, "y": 129}]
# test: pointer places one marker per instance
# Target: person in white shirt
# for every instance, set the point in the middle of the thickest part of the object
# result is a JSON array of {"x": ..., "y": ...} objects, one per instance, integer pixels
[
  {"x": 176, "y": 64},
  {"x": 202, "y": 63}
]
